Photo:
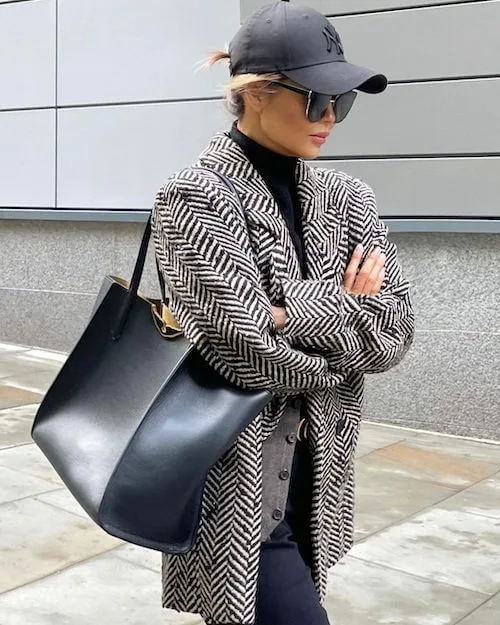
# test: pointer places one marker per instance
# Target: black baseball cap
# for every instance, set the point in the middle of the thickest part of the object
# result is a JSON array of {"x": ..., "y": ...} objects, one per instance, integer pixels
[{"x": 302, "y": 44}]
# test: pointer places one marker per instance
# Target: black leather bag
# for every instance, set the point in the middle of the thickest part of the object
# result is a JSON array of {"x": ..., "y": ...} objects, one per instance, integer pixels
[{"x": 136, "y": 418}]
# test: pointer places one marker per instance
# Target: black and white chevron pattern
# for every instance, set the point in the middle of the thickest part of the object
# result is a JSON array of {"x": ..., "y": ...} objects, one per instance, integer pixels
[{"x": 224, "y": 271}]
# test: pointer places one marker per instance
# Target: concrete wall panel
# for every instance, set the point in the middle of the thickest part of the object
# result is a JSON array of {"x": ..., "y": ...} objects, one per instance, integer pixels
[
  {"x": 458, "y": 117},
  {"x": 117, "y": 157},
  {"x": 27, "y": 54},
  {"x": 122, "y": 51},
  {"x": 437, "y": 42},
  {"x": 27, "y": 158},
  {"x": 435, "y": 187}
]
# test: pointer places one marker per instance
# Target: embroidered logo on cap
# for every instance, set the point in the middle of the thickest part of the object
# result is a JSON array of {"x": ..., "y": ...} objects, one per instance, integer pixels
[{"x": 332, "y": 39}]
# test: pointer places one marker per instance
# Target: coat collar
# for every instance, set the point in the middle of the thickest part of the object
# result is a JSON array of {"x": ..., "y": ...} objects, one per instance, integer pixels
[
  {"x": 321, "y": 222},
  {"x": 226, "y": 156}
]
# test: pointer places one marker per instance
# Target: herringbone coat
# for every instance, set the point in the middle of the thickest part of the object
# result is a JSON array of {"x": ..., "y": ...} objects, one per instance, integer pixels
[{"x": 224, "y": 272}]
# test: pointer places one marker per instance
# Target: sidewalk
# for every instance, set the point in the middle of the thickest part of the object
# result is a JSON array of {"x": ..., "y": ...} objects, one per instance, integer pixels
[{"x": 428, "y": 530}]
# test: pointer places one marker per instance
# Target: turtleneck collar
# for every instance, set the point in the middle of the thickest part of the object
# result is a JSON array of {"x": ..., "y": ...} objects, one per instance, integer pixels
[{"x": 273, "y": 167}]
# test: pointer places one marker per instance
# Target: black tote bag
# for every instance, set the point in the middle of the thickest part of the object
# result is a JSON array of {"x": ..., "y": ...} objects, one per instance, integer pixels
[{"x": 136, "y": 418}]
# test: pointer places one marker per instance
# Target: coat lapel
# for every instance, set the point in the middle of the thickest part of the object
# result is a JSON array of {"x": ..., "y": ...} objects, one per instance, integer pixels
[
  {"x": 324, "y": 227},
  {"x": 321, "y": 222},
  {"x": 271, "y": 241}
]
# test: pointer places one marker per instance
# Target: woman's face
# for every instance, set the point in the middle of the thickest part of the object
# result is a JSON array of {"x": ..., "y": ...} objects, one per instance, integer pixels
[{"x": 278, "y": 121}]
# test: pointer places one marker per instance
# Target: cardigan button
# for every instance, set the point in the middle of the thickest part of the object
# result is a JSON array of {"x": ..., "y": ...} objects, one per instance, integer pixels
[
  {"x": 277, "y": 514},
  {"x": 284, "y": 475},
  {"x": 291, "y": 439}
]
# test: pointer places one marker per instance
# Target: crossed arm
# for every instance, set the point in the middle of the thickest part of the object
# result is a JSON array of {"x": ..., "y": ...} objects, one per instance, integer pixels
[
  {"x": 360, "y": 279},
  {"x": 217, "y": 299},
  {"x": 366, "y": 325}
]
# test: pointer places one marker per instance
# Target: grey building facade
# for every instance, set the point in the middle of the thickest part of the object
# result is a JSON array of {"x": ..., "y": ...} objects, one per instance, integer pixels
[{"x": 101, "y": 100}]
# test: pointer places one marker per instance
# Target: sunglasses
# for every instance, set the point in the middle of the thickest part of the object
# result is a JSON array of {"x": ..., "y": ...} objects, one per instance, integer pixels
[{"x": 318, "y": 103}]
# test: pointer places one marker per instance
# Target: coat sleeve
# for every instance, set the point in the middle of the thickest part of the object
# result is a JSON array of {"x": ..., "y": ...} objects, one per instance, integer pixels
[
  {"x": 368, "y": 334},
  {"x": 204, "y": 254}
]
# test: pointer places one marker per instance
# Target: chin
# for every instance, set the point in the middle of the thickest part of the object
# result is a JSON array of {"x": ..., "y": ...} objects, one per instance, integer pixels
[{"x": 309, "y": 153}]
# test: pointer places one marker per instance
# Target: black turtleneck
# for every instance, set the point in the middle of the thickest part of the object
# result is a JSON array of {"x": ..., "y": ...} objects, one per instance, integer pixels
[{"x": 278, "y": 172}]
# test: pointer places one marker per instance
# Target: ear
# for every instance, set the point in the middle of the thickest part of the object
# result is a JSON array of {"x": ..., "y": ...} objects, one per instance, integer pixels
[{"x": 255, "y": 99}]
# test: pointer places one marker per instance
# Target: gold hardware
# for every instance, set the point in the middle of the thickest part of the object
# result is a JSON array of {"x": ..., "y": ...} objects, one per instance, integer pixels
[
  {"x": 165, "y": 322},
  {"x": 168, "y": 318}
]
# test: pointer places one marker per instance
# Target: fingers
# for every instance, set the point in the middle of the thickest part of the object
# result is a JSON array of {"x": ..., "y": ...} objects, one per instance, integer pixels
[
  {"x": 279, "y": 315},
  {"x": 368, "y": 273},
  {"x": 378, "y": 282},
  {"x": 352, "y": 268},
  {"x": 374, "y": 281},
  {"x": 370, "y": 277}
]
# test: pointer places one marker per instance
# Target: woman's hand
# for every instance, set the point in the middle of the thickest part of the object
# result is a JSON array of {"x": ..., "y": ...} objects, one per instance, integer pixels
[
  {"x": 279, "y": 317},
  {"x": 369, "y": 279}
]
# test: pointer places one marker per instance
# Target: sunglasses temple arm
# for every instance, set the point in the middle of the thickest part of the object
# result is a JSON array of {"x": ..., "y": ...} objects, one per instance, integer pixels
[{"x": 309, "y": 98}]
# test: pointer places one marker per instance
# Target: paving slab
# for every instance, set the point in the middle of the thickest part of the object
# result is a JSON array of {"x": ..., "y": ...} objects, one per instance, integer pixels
[
  {"x": 15, "y": 425},
  {"x": 16, "y": 485},
  {"x": 362, "y": 593},
  {"x": 9, "y": 348},
  {"x": 63, "y": 500},
  {"x": 452, "y": 446},
  {"x": 449, "y": 546},
  {"x": 487, "y": 614},
  {"x": 10, "y": 366},
  {"x": 37, "y": 540},
  {"x": 30, "y": 460},
  {"x": 140, "y": 556},
  {"x": 11, "y": 396},
  {"x": 449, "y": 470},
  {"x": 106, "y": 590},
  {"x": 373, "y": 437},
  {"x": 384, "y": 498},
  {"x": 45, "y": 356},
  {"x": 482, "y": 498},
  {"x": 37, "y": 382}
]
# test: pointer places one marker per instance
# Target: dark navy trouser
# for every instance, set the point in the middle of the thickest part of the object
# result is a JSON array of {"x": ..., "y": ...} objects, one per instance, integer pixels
[{"x": 286, "y": 594}]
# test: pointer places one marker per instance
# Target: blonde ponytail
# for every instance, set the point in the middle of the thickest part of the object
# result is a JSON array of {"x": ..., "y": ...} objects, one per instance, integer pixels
[
  {"x": 216, "y": 57},
  {"x": 241, "y": 83}
]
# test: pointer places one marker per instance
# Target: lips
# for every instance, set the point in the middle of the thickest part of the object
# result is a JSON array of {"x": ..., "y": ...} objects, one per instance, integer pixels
[{"x": 320, "y": 138}]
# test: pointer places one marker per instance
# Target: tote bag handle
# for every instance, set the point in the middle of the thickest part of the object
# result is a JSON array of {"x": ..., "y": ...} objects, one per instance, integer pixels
[{"x": 131, "y": 296}]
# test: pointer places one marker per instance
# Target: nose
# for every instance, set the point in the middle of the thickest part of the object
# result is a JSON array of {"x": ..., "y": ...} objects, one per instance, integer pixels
[{"x": 329, "y": 114}]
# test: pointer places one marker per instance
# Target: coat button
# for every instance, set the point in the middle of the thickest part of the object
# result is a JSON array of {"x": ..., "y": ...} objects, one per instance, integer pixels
[
  {"x": 291, "y": 439},
  {"x": 284, "y": 475},
  {"x": 277, "y": 514}
]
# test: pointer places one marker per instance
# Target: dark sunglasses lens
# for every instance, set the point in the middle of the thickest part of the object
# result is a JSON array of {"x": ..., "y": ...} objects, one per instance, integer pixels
[
  {"x": 343, "y": 104},
  {"x": 318, "y": 105}
]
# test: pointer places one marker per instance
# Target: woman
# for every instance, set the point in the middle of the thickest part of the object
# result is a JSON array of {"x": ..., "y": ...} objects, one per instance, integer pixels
[{"x": 300, "y": 293}]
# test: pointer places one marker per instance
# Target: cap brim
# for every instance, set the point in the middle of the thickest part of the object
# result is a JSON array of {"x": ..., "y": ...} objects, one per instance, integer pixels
[{"x": 337, "y": 77}]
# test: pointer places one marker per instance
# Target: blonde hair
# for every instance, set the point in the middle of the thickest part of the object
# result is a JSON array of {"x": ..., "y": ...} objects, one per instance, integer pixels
[{"x": 242, "y": 83}]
